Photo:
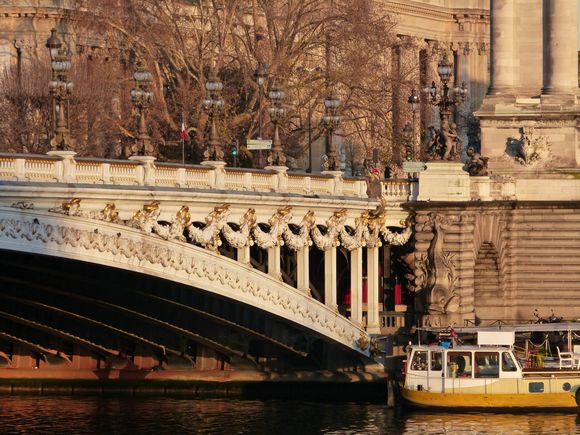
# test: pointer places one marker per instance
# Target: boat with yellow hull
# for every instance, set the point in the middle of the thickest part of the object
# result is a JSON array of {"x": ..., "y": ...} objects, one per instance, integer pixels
[{"x": 485, "y": 376}]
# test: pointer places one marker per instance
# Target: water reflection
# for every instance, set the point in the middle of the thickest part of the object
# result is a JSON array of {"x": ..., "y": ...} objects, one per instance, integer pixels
[{"x": 124, "y": 415}]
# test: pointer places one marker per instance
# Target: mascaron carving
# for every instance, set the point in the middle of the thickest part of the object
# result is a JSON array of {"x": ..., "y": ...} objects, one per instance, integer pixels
[
  {"x": 435, "y": 270},
  {"x": 530, "y": 149}
]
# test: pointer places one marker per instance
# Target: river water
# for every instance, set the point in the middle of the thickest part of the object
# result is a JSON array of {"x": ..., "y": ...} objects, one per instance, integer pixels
[{"x": 167, "y": 415}]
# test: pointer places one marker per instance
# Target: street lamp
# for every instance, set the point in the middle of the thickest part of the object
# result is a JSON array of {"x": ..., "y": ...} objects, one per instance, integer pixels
[
  {"x": 276, "y": 111},
  {"x": 312, "y": 74},
  {"x": 142, "y": 97},
  {"x": 213, "y": 104},
  {"x": 444, "y": 144},
  {"x": 409, "y": 139},
  {"x": 331, "y": 120},
  {"x": 261, "y": 77},
  {"x": 413, "y": 101},
  {"x": 60, "y": 89}
]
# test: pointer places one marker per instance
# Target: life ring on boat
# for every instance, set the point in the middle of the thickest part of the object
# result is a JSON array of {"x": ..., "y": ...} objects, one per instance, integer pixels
[{"x": 577, "y": 396}]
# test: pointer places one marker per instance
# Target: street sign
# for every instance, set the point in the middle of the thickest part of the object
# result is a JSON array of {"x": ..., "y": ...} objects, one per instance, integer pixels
[
  {"x": 259, "y": 144},
  {"x": 414, "y": 166}
]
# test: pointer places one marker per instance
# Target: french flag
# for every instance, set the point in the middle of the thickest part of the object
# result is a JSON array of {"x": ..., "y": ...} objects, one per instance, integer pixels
[{"x": 183, "y": 132}]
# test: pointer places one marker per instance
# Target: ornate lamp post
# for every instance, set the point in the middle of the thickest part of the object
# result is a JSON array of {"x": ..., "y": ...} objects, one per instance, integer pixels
[
  {"x": 142, "y": 97},
  {"x": 213, "y": 104},
  {"x": 60, "y": 88},
  {"x": 445, "y": 144},
  {"x": 409, "y": 141},
  {"x": 261, "y": 76},
  {"x": 413, "y": 101},
  {"x": 276, "y": 111},
  {"x": 331, "y": 122}
]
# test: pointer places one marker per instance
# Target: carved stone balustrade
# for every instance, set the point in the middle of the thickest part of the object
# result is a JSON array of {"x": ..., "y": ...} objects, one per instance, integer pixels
[{"x": 140, "y": 172}]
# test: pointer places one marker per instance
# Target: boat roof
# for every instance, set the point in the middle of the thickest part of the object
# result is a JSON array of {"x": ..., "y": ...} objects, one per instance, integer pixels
[
  {"x": 530, "y": 327},
  {"x": 458, "y": 347}
]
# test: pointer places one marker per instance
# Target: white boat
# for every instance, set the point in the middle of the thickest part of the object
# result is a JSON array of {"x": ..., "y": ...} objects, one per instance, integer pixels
[{"x": 488, "y": 375}]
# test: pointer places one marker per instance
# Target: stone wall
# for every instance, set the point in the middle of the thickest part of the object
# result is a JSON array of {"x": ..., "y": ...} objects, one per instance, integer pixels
[{"x": 495, "y": 261}]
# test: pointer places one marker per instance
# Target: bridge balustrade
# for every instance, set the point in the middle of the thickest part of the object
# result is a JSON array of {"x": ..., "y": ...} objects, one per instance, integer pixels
[{"x": 66, "y": 168}]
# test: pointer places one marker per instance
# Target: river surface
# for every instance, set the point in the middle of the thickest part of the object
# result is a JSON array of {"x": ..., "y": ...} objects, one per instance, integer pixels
[{"x": 166, "y": 415}]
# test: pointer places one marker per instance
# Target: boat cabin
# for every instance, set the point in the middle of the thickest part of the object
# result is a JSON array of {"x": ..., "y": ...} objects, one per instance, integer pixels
[{"x": 432, "y": 367}]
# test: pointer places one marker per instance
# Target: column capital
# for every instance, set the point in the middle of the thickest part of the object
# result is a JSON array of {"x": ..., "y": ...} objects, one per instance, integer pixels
[
  {"x": 482, "y": 48},
  {"x": 411, "y": 42},
  {"x": 465, "y": 48},
  {"x": 435, "y": 47}
]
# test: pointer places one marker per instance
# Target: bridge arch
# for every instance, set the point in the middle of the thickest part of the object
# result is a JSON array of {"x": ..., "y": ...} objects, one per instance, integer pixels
[{"x": 128, "y": 249}]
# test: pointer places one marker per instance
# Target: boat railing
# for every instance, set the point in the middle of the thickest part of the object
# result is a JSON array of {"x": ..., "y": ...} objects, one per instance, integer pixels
[{"x": 496, "y": 322}]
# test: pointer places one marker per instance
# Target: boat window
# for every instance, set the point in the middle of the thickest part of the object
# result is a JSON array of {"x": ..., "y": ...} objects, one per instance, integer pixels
[
  {"x": 436, "y": 361},
  {"x": 486, "y": 364},
  {"x": 419, "y": 361},
  {"x": 459, "y": 364},
  {"x": 536, "y": 387},
  {"x": 507, "y": 363}
]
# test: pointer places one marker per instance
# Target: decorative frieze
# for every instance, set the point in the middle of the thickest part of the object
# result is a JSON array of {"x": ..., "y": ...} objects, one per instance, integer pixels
[{"x": 369, "y": 227}]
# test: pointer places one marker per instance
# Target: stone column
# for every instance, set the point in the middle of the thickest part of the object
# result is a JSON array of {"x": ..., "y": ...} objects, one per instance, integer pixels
[
  {"x": 303, "y": 270},
  {"x": 502, "y": 36},
  {"x": 373, "y": 290},
  {"x": 274, "y": 262},
  {"x": 356, "y": 286},
  {"x": 560, "y": 47},
  {"x": 528, "y": 69},
  {"x": 330, "y": 280},
  {"x": 479, "y": 87},
  {"x": 244, "y": 255},
  {"x": 464, "y": 51},
  {"x": 435, "y": 53}
]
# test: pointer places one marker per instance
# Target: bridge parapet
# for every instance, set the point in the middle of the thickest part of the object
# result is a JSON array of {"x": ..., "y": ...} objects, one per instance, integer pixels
[{"x": 63, "y": 167}]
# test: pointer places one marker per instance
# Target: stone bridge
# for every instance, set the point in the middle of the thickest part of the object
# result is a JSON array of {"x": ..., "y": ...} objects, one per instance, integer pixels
[{"x": 141, "y": 267}]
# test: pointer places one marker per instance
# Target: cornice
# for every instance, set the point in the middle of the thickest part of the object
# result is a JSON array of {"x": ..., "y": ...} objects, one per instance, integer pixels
[
  {"x": 33, "y": 12},
  {"x": 434, "y": 12}
]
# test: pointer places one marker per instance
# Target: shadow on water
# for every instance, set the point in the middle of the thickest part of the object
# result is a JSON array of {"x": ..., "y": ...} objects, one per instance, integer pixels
[{"x": 152, "y": 415}]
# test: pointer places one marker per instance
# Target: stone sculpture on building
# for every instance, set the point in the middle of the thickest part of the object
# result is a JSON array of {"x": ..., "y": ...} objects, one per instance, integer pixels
[
  {"x": 442, "y": 144},
  {"x": 529, "y": 150},
  {"x": 476, "y": 166}
]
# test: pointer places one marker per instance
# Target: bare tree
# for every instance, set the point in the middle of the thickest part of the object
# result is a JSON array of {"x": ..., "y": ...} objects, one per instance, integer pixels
[{"x": 342, "y": 44}]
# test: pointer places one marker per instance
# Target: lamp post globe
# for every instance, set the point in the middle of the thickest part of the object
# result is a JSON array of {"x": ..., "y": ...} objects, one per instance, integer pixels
[
  {"x": 276, "y": 112},
  {"x": 142, "y": 97},
  {"x": 331, "y": 121},
  {"x": 445, "y": 143},
  {"x": 60, "y": 89},
  {"x": 213, "y": 104}
]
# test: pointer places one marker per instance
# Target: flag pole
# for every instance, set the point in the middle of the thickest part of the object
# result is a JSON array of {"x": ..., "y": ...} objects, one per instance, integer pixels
[{"x": 183, "y": 133}]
